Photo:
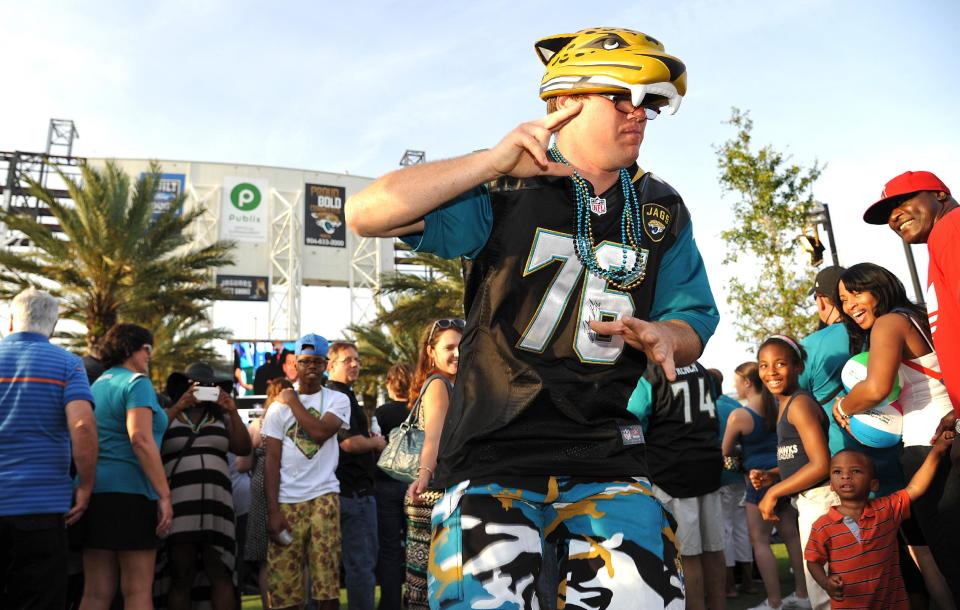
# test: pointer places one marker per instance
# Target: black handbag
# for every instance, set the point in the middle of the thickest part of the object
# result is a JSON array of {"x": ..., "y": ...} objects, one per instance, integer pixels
[{"x": 401, "y": 458}]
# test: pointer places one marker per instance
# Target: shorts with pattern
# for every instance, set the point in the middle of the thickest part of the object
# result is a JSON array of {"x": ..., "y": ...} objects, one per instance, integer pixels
[
  {"x": 315, "y": 527},
  {"x": 615, "y": 545}
]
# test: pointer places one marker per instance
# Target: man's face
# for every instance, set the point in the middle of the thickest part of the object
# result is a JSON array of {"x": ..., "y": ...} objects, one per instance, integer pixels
[
  {"x": 310, "y": 369},
  {"x": 290, "y": 367},
  {"x": 611, "y": 139},
  {"x": 344, "y": 366},
  {"x": 913, "y": 219}
]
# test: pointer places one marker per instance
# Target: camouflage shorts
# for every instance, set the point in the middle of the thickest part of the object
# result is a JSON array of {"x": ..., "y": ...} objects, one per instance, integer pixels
[
  {"x": 616, "y": 546},
  {"x": 315, "y": 527}
]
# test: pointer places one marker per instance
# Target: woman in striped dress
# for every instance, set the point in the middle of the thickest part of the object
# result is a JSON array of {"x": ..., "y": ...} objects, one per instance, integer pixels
[{"x": 194, "y": 451}]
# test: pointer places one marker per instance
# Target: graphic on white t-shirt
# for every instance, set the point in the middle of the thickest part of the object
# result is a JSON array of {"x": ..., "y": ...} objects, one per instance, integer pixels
[{"x": 301, "y": 440}]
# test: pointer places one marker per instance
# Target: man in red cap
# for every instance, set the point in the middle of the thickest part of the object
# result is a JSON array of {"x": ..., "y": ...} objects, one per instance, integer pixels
[{"x": 917, "y": 206}]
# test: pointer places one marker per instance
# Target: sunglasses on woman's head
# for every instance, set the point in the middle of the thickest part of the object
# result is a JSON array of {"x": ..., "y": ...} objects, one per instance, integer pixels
[{"x": 446, "y": 323}]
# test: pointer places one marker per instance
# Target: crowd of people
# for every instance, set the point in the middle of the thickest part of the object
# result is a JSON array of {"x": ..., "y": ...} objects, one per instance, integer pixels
[{"x": 575, "y": 453}]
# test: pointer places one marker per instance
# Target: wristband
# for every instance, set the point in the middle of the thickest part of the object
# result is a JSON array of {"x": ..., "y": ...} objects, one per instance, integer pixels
[
  {"x": 840, "y": 408},
  {"x": 731, "y": 463},
  {"x": 425, "y": 468}
]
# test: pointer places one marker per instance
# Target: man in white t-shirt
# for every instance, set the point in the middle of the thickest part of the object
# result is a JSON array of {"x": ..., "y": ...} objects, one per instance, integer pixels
[{"x": 303, "y": 501}]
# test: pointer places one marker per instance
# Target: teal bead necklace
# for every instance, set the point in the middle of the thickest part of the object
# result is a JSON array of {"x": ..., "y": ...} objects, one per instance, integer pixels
[{"x": 619, "y": 276}]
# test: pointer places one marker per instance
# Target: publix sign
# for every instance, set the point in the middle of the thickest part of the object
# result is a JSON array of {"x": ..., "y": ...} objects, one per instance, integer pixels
[{"x": 243, "y": 212}]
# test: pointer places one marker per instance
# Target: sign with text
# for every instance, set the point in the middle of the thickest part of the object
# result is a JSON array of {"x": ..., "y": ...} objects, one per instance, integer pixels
[
  {"x": 243, "y": 287},
  {"x": 169, "y": 188},
  {"x": 243, "y": 211},
  {"x": 323, "y": 223}
]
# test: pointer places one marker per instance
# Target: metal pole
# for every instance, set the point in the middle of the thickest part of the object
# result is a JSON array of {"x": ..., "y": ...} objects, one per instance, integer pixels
[
  {"x": 912, "y": 265},
  {"x": 829, "y": 227}
]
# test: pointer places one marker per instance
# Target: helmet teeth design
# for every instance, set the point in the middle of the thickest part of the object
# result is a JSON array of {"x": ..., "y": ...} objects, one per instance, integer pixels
[{"x": 612, "y": 60}]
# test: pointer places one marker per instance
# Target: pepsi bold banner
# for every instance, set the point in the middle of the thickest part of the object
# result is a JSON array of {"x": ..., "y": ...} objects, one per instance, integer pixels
[
  {"x": 323, "y": 223},
  {"x": 243, "y": 211}
]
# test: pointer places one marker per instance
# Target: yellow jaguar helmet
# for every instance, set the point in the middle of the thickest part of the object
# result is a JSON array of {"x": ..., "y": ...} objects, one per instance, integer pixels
[{"x": 612, "y": 60}]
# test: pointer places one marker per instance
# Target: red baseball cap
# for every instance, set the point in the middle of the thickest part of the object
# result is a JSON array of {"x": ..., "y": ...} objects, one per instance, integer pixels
[{"x": 899, "y": 190}]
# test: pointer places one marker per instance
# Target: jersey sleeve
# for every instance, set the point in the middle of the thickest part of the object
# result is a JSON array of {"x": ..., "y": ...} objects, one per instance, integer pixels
[
  {"x": 683, "y": 290},
  {"x": 141, "y": 394},
  {"x": 77, "y": 387},
  {"x": 641, "y": 402},
  {"x": 818, "y": 545},
  {"x": 458, "y": 228}
]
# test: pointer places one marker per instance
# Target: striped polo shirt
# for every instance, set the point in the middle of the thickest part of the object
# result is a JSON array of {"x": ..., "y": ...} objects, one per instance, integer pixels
[
  {"x": 37, "y": 380},
  {"x": 868, "y": 561}
]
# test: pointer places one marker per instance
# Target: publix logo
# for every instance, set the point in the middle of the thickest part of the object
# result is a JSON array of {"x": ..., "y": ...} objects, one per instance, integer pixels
[{"x": 245, "y": 197}]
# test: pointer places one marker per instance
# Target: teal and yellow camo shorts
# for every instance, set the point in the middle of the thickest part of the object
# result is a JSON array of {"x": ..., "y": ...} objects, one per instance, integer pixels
[{"x": 616, "y": 545}]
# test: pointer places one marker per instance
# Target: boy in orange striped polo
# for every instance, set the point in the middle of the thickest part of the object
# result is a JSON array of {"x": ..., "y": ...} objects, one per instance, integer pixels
[{"x": 858, "y": 538}]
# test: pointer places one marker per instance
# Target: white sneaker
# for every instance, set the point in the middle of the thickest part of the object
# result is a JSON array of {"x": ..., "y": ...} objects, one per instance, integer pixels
[
  {"x": 796, "y": 603},
  {"x": 765, "y": 605}
]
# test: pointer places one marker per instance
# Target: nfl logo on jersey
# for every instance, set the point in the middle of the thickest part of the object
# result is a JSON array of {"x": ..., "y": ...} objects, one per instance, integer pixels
[{"x": 598, "y": 206}]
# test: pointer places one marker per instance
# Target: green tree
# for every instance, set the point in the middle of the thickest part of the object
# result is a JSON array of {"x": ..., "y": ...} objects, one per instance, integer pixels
[
  {"x": 774, "y": 196},
  {"x": 414, "y": 300},
  {"x": 120, "y": 263}
]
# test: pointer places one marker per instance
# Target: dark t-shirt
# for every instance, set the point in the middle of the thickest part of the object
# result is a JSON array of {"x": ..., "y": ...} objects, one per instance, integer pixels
[
  {"x": 681, "y": 429},
  {"x": 390, "y": 415},
  {"x": 355, "y": 470}
]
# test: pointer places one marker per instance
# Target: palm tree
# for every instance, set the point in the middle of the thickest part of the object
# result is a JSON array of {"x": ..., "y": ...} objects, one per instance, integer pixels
[
  {"x": 119, "y": 262},
  {"x": 414, "y": 300}
]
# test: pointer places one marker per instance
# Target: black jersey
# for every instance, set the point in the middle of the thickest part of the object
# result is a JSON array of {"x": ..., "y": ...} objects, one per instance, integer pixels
[
  {"x": 683, "y": 433},
  {"x": 538, "y": 392}
]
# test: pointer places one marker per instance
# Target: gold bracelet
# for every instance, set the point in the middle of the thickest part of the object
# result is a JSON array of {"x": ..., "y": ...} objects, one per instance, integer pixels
[
  {"x": 840, "y": 408},
  {"x": 425, "y": 468}
]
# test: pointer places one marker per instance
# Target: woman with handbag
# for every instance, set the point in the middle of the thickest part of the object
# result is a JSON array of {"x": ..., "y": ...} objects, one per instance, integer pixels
[{"x": 430, "y": 396}]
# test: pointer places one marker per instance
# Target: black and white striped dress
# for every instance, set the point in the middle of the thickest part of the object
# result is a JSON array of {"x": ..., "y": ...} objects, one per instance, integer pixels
[{"x": 201, "y": 492}]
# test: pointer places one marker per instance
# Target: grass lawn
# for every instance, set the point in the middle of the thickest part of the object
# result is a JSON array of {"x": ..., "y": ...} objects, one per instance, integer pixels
[{"x": 252, "y": 602}]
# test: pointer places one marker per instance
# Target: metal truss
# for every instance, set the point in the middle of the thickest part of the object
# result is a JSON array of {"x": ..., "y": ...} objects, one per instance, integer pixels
[
  {"x": 60, "y": 136},
  {"x": 17, "y": 170},
  {"x": 286, "y": 264},
  {"x": 365, "y": 270}
]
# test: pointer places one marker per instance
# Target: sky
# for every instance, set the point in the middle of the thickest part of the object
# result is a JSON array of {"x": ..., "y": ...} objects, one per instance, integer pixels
[{"x": 867, "y": 89}]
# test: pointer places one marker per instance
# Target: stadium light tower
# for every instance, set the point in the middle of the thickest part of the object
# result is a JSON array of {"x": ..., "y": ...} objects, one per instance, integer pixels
[{"x": 413, "y": 157}]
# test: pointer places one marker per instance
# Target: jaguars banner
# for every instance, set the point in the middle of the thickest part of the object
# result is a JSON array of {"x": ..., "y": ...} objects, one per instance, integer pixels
[
  {"x": 323, "y": 223},
  {"x": 243, "y": 211}
]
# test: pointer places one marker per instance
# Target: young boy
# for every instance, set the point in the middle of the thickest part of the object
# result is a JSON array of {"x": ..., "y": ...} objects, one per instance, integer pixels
[{"x": 858, "y": 538}]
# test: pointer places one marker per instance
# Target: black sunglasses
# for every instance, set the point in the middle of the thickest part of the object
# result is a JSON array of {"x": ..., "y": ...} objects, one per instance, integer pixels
[{"x": 444, "y": 324}]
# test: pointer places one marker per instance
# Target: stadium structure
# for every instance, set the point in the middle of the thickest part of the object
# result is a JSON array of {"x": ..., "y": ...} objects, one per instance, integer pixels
[{"x": 288, "y": 224}]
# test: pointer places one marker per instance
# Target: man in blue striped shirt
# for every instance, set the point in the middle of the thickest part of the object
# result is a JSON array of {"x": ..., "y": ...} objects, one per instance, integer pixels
[{"x": 45, "y": 411}]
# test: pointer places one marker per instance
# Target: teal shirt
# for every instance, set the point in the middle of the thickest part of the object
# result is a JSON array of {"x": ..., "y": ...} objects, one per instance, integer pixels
[
  {"x": 114, "y": 393},
  {"x": 828, "y": 350}
]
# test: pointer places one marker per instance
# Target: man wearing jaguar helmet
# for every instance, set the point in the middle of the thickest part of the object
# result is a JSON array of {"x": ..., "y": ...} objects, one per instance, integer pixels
[{"x": 580, "y": 269}]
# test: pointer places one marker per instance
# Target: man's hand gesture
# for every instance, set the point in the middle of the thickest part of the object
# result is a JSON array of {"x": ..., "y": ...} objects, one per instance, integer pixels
[
  {"x": 522, "y": 153},
  {"x": 655, "y": 340}
]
